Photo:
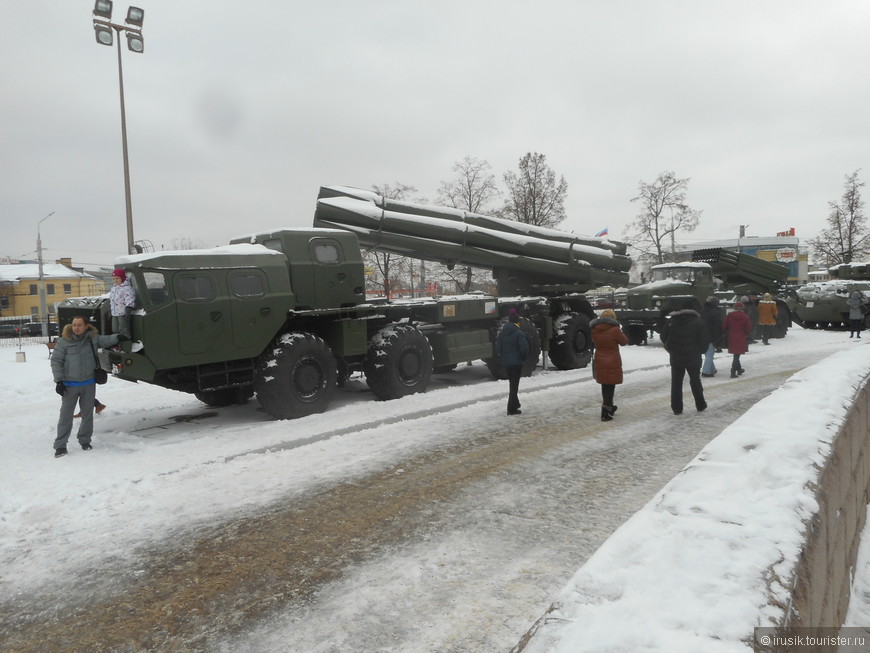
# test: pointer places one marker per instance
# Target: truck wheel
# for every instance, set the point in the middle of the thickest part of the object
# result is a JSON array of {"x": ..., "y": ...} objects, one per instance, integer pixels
[
  {"x": 225, "y": 396},
  {"x": 398, "y": 362},
  {"x": 497, "y": 369},
  {"x": 571, "y": 344},
  {"x": 295, "y": 376}
]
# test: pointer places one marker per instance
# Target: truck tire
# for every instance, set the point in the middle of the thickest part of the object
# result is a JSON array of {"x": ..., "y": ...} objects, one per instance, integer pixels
[
  {"x": 497, "y": 369},
  {"x": 398, "y": 362},
  {"x": 295, "y": 376},
  {"x": 225, "y": 396},
  {"x": 571, "y": 344}
]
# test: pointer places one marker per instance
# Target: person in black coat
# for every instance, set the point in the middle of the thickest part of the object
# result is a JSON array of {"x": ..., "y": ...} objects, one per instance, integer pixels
[
  {"x": 712, "y": 317},
  {"x": 685, "y": 338},
  {"x": 512, "y": 346}
]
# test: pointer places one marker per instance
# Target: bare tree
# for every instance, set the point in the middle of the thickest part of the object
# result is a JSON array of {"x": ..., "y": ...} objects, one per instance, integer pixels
[
  {"x": 664, "y": 213},
  {"x": 472, "y": 189},
  {"x": 388, "y": 265},
  {"x": 846, "y": 237},
  {"x": 533, "y": 196}
]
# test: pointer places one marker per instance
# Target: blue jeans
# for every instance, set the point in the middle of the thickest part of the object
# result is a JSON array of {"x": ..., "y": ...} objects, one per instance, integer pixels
[{"x": 709, "y": 365}]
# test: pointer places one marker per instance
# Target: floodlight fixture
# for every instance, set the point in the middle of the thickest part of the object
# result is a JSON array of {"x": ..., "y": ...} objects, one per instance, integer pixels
[
  {"x": 135, "y": 16},
  {"x": 103, "y": 8},
  {"x": 135, "y": 42},
  {"x": 104, "y": 34}
]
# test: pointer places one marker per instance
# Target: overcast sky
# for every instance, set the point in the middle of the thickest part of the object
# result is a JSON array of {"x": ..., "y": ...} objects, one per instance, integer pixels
[{"x": 235, "y": 118}]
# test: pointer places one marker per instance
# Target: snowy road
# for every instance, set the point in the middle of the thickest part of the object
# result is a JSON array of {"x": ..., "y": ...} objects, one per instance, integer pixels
[{"x": 447, "y": 527}]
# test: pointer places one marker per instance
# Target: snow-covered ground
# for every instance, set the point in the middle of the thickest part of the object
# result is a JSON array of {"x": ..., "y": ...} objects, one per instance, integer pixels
[
  {"x": 163, "y": 463},
  {"x": 729, "y": 526}
]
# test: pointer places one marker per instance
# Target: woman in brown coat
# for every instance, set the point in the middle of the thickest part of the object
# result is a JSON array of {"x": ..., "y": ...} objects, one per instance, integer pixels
[{"x": 607, "y": 336}]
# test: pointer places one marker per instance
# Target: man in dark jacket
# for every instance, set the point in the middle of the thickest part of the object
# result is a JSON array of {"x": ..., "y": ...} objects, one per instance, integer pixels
[
  {"x": 685, "y": 339},
  {"x": 712, "y": 317},
  {"x": 512, "y": 346},
  {"x": 72, "y": 365}
]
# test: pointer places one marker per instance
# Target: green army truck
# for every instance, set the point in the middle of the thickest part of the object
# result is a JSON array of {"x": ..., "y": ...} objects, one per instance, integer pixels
[
  {"x": 710, "y": 272},
  {"x": 283, "y": 314}
]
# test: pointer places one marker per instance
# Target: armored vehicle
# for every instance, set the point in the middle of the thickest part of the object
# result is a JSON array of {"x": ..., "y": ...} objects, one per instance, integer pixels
[
  {"x": 283, "y": 314},
  {"x": 711, "y": 272},
  {"x": 822, "y": 304}
]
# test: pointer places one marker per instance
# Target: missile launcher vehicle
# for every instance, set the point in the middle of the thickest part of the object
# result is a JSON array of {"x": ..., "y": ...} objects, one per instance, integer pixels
[
  {"x": 711, "y": 272},
  {"x": 283, "y": 314}
]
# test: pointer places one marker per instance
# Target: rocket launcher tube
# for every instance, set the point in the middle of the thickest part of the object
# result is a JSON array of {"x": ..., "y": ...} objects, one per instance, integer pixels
[
  {"x": 346, "y": 211},
  {"x": 580, "y": 273},
  {"x": 476, "y": 219}
]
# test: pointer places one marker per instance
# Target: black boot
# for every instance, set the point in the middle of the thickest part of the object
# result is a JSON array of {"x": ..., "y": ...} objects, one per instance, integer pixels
[{"x": 606, "y": 415}]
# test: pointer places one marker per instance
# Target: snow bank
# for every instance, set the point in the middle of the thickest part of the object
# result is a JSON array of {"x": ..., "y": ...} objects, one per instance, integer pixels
[{"x": 714, "y": 554}]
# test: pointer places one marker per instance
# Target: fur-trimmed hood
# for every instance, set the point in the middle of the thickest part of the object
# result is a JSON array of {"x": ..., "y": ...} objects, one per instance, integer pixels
[{"x": 68, "y": 334}]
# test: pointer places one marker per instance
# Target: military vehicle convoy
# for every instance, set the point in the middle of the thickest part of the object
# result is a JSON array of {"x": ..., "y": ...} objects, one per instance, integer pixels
[
  {"x": 283, "y": 314},
  {"x": 822, "y": 304},
  {"x": 711, "y": 272}
]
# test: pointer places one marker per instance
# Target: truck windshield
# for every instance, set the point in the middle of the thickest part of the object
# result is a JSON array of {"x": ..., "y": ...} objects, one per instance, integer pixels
[{"x": 155, "y": 288}]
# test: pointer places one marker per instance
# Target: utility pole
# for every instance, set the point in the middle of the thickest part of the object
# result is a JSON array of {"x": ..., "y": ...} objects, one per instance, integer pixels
[{"x": 43, "y": 310}]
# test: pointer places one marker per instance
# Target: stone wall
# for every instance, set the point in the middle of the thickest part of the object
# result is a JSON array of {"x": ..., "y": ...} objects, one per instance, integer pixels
[{"x": 823, "y": 574}]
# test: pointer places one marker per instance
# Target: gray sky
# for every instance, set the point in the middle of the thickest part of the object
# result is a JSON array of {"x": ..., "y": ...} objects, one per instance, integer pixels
[{"x": 235, "y": 118}]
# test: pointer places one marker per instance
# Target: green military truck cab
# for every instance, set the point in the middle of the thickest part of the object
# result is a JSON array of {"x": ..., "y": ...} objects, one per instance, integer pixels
[{"x": 325, "y": 265}]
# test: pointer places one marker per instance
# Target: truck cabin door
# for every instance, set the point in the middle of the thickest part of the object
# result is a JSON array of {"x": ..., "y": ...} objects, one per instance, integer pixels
[
  {"x": 252, "y": 308},
  {"x": 332, "y": 284},
  {"x": 204, "y": 320}
]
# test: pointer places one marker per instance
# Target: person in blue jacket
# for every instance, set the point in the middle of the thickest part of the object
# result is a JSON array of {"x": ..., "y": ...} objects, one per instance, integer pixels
[{"x": 512, "y": 346}]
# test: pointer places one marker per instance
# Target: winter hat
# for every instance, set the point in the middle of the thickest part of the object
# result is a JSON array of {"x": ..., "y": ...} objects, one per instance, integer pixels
[
  {"x": 120, "y": 274},
  {"x": 738, "y": 306},
  {"x": 767, "y": 297},
  {"x": 513, "y": 316},
  {"x": 608, "y": 312},
  {"x": 744, "y": 299}
]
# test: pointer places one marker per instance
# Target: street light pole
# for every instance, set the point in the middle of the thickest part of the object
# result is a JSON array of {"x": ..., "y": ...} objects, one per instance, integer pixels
[
  {"x": 127, "y": 194},
  {"x": 103, "y": 28},
  {"x": 43, "y": 311}
]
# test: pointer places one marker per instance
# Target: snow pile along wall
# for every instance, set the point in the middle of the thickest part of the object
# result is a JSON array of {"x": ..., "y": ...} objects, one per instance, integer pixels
[{"x": 760, "y": 529}]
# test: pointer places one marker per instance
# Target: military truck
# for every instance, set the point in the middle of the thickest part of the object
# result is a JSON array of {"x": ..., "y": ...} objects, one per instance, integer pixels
[
  {"x": 283, "y": 314},
  {"x": 822, "y": 304},
  {"x": 710, "y": 272}
]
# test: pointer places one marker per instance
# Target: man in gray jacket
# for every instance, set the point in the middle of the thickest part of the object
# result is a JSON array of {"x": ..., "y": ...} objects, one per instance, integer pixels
[{"x": 72, "y": 365}]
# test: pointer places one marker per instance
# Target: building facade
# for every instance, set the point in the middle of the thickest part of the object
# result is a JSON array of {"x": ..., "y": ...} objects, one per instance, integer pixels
[{"x": 19, "y": 287}]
